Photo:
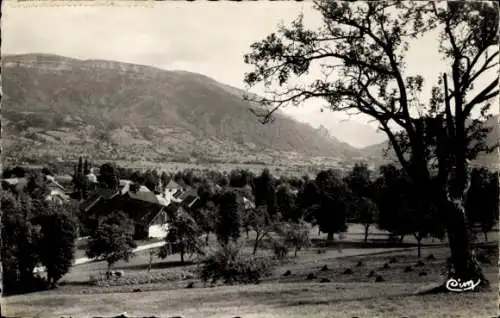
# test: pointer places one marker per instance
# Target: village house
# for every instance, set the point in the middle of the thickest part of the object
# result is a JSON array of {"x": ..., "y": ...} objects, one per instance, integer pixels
[
  {"x": 172, "y": 191},
  {"x": 57, "y": 193},
  {"x": 151, "y": 213}
]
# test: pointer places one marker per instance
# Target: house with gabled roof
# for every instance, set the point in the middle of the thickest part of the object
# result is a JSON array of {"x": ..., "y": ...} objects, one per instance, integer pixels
[{"x": 137, "y": 201}]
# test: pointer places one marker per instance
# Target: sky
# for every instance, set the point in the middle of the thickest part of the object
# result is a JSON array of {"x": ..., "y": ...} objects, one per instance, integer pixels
[{"x": 203, "y": 37}]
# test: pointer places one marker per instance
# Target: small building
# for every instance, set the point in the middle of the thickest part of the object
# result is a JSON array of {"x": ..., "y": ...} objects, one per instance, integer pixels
[
  {"x": 172, "y": 191},
  {"x": 56, "y": 192},
  {"x": 137, "y": 201},
  {"x": 159, "y": 225}
]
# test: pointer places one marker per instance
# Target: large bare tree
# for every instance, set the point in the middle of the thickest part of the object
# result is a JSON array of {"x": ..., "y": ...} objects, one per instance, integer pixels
[{"x": 361, "y": 48}]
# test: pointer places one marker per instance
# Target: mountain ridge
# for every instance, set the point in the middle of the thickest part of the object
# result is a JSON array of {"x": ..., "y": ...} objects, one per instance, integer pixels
[{"x": 117, "y": 109}]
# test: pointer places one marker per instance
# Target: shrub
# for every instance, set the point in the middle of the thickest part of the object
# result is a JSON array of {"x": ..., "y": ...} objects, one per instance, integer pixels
[
  {"x": 280, "y": 249},
  {"x": 297, "y": 236},
  {"x": 228, "y": 265}
]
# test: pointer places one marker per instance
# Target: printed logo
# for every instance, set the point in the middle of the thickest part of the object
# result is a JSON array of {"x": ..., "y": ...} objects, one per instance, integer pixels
[{"x": 456, "y": 285}]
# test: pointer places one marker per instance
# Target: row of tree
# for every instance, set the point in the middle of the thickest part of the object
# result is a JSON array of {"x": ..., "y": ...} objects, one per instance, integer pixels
[
  {"x": 388, "y": 200},
  {"x": 35, "y": 232},
  {"x": 363, "y": 49}
]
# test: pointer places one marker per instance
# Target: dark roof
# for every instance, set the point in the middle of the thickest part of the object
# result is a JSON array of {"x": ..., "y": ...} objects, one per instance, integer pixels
[
  {"x": 172, "y": 185},
  {"x": 146, "y": 196},
  {"x": 189, "y": 193},
  {"x": 177, "y": 194},
  {"x": 189, "y": 201},
  {"x": 96, "y": 196}
]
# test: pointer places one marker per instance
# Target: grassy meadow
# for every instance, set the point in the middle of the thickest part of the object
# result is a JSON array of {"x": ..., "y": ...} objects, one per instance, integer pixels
[{"x": 173, "y": 289}]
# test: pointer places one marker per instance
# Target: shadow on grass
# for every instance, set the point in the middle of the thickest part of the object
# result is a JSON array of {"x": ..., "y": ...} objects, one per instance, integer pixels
[
  {"x": 75, "y": 283},
  {"x": 373, "y": 243},
  {"x": 158, "y": 265}
]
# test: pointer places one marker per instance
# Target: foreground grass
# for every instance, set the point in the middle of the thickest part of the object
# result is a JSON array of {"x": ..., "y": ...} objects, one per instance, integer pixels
[
  {"x": 353, "y": 295},
  {"x": 266, "y": 300}
]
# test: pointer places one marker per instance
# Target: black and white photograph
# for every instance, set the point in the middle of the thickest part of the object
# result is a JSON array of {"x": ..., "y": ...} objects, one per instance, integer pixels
[{"x": 249, "y": 159}]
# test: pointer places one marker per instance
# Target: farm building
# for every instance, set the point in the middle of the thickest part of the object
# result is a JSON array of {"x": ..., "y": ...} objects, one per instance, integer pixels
[{"x": 149, "y": 212}]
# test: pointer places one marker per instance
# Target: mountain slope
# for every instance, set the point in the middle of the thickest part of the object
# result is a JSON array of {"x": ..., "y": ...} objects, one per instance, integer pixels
[{"x": 121, "y": 110}]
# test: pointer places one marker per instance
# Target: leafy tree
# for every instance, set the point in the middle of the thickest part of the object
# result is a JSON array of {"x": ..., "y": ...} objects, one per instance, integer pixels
[
  {"x": 331, "y": 210},
  {"x": 265, "y": 192},
  {"x": 359, "y": 181},
  {"x": 286, "y": 203},
  {"x": 16, "y": 172},
  {"x": 361, "y": 47},
  {"x": 80, "y": 182},
  {"x": 37, "y": 187},
  {"x": 113, "y": 239},
  {"x": 19, "y": 244},
  {"x": 390, "y": 199},
  {"x": 362, "y": 205},
  {"x": 86, "y": 167},
  {"x": 482, "y": 200},
  {"x": 137, "y": 177},
  {"x": 423, "y": 221},
  {"x": 205, "y": 217},
  {"x": 262, "y": 223},
  {"x": 108, "y": 176},
  {"x": 307, "y": 197},
  {"x": 402, "y": 211},
  {"x": 183, "y": 235},
  {"x": 57, "y": 242},
  {"x": 152, "y": 180},
  {"x": 228, "y": 221},
  {"x": 365, "y": 213},
  {"x": 296, "y": 235},
  {"x": 238, "y": 178},
  {"x": 165, "y": 178}
]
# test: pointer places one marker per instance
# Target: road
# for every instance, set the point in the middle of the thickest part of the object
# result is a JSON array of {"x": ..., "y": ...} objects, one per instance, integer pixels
[{"x": 84, "y": 260}]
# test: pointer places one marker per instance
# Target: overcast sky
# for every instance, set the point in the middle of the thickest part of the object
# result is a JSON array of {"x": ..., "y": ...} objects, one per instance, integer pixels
[{"x": 204, "y": 37}]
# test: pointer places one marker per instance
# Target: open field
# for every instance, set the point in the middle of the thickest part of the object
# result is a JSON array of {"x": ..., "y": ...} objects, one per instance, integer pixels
[{"x": 353, "y": 295}]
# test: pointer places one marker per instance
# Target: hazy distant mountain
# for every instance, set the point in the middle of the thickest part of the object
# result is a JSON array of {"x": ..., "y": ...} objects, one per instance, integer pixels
[
  {"x": 491, "y": 160},
  {"x": 353, "y": 131},
  {"x": 55, "y": 104},
  {"x": 356, "y": 134}
]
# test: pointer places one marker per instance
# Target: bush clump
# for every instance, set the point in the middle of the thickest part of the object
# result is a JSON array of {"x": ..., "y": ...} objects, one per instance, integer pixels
[
  {"x": 280, "y": 249},
  {"x": 228, "y": 265}
]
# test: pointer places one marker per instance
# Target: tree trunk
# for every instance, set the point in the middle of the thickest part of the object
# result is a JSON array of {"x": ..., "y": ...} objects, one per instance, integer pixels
[
  {"x": 182, "y": 254},
  {"x": 464, "y": 266},
  {"x": 401, "y": 238},
  {"x": 206, "y": 238},
  {"x": 367, "y": 227},
  {"x": 248, "y": 233},
  {"x": 50, "y": 283},
  {"x": 150, "y": 260},
  {"x": 330, "y": 236},
  {"x": 419, "y": 246},
  {"x": 295, "y": 254},
  {"x": 256, "y": 244},
  {"x": 485, "y": 236}
]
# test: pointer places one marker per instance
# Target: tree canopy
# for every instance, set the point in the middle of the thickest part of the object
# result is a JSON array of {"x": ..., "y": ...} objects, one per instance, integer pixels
[{"x": 361, "y": 48}]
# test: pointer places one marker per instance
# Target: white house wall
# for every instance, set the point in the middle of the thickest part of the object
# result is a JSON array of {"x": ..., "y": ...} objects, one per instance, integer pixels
[{"x": 158, "y": 231}]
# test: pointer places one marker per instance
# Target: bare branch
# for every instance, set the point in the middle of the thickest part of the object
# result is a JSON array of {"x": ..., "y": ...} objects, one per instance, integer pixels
[{"x": 483, "y": 96}]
